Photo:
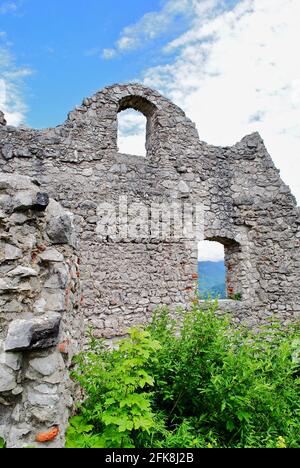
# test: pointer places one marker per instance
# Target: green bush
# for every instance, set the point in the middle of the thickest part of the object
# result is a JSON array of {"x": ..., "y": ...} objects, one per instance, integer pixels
[
  {"x": 191, "y": 381},
  {"x": 117, "y": 404}
]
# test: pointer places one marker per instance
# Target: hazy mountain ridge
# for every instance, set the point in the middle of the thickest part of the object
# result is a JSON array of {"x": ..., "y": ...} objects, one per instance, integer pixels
[{"x": 212, "y": 279}]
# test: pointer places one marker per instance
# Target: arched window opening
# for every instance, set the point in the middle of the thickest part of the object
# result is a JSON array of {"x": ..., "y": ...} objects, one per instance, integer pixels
[
  {"x": 132, "y": 132},
  {"x": 219, "y": 269}
]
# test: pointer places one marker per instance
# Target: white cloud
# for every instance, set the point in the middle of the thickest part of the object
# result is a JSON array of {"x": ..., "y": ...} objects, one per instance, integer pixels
[
  {"x": 132, "y": 132},
  {"x": 210, "y": 251},
  {"x": 108, "y": 53},
  {"x": 12, "y": 101},
  {"x": 155, "y": 24},
  {"x": 238, "y": 72},
  {"x": 7, "y": 7}
]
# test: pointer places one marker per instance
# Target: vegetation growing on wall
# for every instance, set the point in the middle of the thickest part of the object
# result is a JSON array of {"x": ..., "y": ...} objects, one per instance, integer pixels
[{"x": 207, "y": 385}]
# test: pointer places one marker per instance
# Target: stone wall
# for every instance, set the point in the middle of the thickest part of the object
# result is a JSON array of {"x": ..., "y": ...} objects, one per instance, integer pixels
[
  {"x": 40, "y": 324},
  {"x": 247, "y": 208}
]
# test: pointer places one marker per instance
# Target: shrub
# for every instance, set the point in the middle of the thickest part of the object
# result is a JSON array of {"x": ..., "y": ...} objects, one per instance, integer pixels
[
  {"x": 193, "y": 380},
  {"x": 114, "y": 381}
]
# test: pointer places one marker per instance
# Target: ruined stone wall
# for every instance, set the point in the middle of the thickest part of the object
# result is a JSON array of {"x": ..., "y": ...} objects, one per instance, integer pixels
[
  {"x": 40, "y": 322},
  {"x": 247, "y": 207}
]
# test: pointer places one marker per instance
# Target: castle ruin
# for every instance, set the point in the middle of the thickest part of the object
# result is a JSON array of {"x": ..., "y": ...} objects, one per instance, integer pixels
[{"x": 48, "y": 247}]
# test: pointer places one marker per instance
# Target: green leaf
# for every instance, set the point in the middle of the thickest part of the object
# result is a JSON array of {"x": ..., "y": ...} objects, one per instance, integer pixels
[
  {"x": 143, "y": 423},
  {"x": 244, "y": 416},
  {"x": 125, "y": 425},
  {"x": 79, "y": 425},
  {"x": 230, "y": 425}
]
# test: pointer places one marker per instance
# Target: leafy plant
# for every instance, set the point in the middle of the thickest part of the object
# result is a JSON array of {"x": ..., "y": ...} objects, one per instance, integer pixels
[
  {"x": 236, "y": 387},
  {"x": 191, "y": 379},
  {"x": 235, "y": 297},
  {"x": 80, "y": 434},
  {"x": 2, "y": 443},
  {"x": 114, "y": 382}
]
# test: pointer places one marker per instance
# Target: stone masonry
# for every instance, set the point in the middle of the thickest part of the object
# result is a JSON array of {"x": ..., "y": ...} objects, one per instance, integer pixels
[
  {"x": 246, "y": 205},
  {"x": 40, "y": 325}
]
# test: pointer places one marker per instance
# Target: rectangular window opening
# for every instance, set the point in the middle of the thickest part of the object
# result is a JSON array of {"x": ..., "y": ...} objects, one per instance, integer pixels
[{"x": 212, "y": 270}]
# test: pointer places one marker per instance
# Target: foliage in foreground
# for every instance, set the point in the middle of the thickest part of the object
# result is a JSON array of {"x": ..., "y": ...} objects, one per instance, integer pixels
[{"x": 206, "y": 385}]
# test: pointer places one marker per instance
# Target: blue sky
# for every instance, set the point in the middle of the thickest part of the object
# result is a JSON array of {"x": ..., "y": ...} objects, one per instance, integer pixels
[
  {"x": 62, "y": 43},
  {"x": 232, "y": 65}
]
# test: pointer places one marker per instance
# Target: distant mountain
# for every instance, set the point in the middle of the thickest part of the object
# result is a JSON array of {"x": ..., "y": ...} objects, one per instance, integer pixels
[{"x": 212, "y": 279}]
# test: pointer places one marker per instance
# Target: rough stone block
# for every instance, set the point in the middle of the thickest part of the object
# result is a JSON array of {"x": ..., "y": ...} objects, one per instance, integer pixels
[
  {"x": 60, "y": 228},
  {"x": 9, "y": 252},
  {"x": 7, "y": 379},
  {"x": 23, "y": 200},
  {"x": 22, "y": 272},
  {"x": 184, "y": 190},
  {"x": 55, "y": 300},
  {"x": 42, "y": 399},
  {"x": 2, "y": 119},
  {"x": 41, "y": 201},
  {"x": 48, "y": 365},
  {"x": 52, "y": 255},
  {"x": 36, "y": 333},
  {"x": 7, "y": 286},
  {"x": 11, "y": 360}
]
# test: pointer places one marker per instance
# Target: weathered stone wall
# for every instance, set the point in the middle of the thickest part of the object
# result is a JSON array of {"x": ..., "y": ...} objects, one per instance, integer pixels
[
  {"x": 40, "y": 324},
  {"x": 247, "y": 207}
]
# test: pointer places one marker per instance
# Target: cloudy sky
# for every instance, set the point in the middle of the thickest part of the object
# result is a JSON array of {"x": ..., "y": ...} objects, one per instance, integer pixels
[{"x": 232, "y": 65}]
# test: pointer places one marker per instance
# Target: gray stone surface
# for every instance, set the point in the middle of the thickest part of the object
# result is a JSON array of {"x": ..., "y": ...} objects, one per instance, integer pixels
[
  {"x": 36, "y": 333},
  {"x": 36, "y": 278},
  {"x": 60, "y": 227},
  {"x": 247, "y": 206},
  {"x": 47, "y": 365},
  {"x": 52, "y": 255},
  {"x": 23, "y": 272},
  {"x": 7, "y": 379},
  {"x": 41, "y": 399},
  {"x": 2, "y": 119},
  {"x": 54, "y": 300},
  {"x": 11, "y": 360},
  {"x": 9, "y": 252}
]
